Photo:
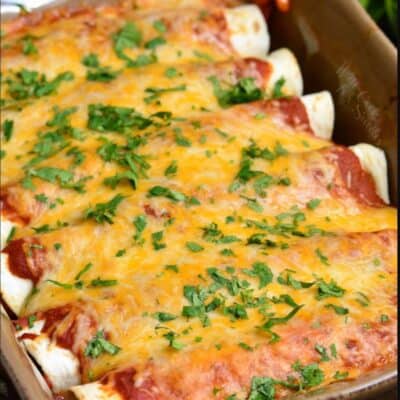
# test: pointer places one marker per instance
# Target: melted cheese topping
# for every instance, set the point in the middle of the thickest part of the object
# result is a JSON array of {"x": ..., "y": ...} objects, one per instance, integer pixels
[{"x": 174, "y": 251}]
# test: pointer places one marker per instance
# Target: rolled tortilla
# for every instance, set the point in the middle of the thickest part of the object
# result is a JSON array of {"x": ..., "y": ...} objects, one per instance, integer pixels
[
  {"x": 321, "y": 113},
  {"x": 60, "y": 365},
  {"x": 14, "y": 290},
  {"x": 373, "y": 160},
  {"x": 248, "y": 31},
  {"x": 285, "y": 66},
  {"x": 95, "y": 391},
  {"x": 6, "y": 226}
]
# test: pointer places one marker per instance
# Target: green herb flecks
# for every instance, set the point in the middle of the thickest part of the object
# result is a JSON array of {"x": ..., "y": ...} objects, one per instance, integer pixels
[
  {"x": 245, "y": 90},
  {"x": 104, "y": 212},
  {"x": 99, "y": 345},
  {"x": 28, "y": 84}
]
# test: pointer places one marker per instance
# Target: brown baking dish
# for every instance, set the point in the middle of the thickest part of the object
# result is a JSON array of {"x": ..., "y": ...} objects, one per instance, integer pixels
[{"x": 339, "y": 49}]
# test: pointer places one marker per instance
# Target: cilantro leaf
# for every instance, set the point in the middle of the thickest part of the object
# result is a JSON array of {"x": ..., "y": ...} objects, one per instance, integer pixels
[
  {"x": 194, "y": 247},
  {"x": 272, "y": 321},
  {"x": 262, "y": 271},
  {"x": 262, "y": 389},
  {"x": 164, "y": 317},
  {"x": 99, "y": 345},
  {"x": 330, "y": 289},
  {"x": 7, "y": 127},
  {"x": 161, "y": 191},
  {"x": 338, "y": 310},
  {"x": 277, "y": 89},
  {"x": 171, "y": 337},
  {"x": 129, "y": 36},
  {"x": 104, "y": 212},
  {"x": 115, "y": 119},
  {"x": 245, "y": 90}
]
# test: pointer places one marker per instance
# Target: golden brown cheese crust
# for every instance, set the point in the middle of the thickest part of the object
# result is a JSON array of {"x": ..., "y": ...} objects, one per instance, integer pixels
[
  {"x": 288, "y": 114},
  {"x": 362, "y": 339},
  {"x": 253, "y": 194}
]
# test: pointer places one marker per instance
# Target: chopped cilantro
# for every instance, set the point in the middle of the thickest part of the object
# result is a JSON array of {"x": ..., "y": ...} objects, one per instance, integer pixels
[
  {"x": 321, "y": 350},
  {"x": 376, "y": 262},
  {"x": 101, "y": 74},
  {"x": 7, "y": 127},
  {"x": 340, "y": 375},
  {"x": 311, "y": 375},
  {"x": 60, "y": 284},
  {"x": 384, "y": 318},
  {"x": 323, "y": 258},
  {"x": 277, "y": 89},
  {"x": 99, "y": 345},
  {"x": 172, "y": 267},
  {"x": 172, "y": 72},
  {"x": 161, "y": 191},
  {"x": 262, "y": 271},
  {"x": 159, "y": 26},
  {"x": 172, "y": 169},
  {"x": 333, "y": 350},
  {"x": 91, "y": 60},
  {"x": 157, "y": 238},
  {"x": 83, "y": 271},
  {"x": 56, "y": 175},
  {"x": 140, "y": 223},
  {"x": 203, "y": 56},
  {"x": 31, "y": 320},
  {"x": 181, "y": 140},
  {"x": 115, "y": 119},
  {"x": 338, "y": 310},
  {"x": 272, "y": 321},
  {"x": 155, "y": 93},
  {"x": 103, "y": 282},
  {"x": 362, "y": 299},
  {"x": 262, "y": 389},
  {"x": 245, "y": 90},
  {"x": 294, "y": 283},
  {"x": 164, "y": 317},
  {"x": 236, "y": 311},
  {"x": 330, "y": 289},
  {"x": 104, "y": 212},
  {"x": 11, "y": 234},
  {"x": 60, "y": 118},
  {"x": 120, "y": 253},
  {"x": 28, "y": 47},
  {"x": 227, "y": 253},
  {"x": 171, "y": 337},
  {"x": 194, "y": 247},
  {"x": 245, "y": 346},
  {"x": 28, "y": 84},
  {"x": 154, "y": 43},
  {"x": 78, "y": 155},
  {"x": 313, "y": 204},
  {"x": 127, "y": 37},
  {"x": 260, "y": 116}
]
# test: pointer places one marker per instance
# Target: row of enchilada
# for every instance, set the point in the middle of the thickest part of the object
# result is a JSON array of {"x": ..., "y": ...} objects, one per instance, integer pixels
[{"x": 177, "y": 222}]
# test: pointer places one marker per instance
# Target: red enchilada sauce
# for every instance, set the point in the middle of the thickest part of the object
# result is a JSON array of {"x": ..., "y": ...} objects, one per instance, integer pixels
[
  {"x": 358, "y": 182},
  {"x": 26, "y": 259}
]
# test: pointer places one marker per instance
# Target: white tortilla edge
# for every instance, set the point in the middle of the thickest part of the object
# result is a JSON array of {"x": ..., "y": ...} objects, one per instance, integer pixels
[
  {"x": 6, "y": 226},
  {"x": 248, "y": 30},
  {"x": 285, "y": 65},
  {"x": 60, "y": 365},
  {"x": 373, "y": 160},
  {"x": 14, "y": 290},
  {"x": 321, "y": 113},
  {"x": 94, "y": 391}
]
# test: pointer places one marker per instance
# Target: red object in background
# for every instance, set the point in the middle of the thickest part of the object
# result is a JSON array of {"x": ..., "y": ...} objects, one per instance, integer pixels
[{"x": 267, "y": 5}]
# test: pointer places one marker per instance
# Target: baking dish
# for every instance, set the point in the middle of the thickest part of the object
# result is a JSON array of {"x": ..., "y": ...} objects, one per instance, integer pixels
[{"x": 364, "y": 89}]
